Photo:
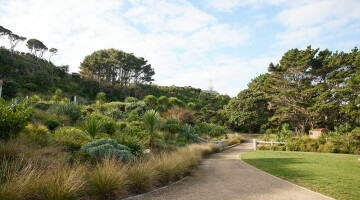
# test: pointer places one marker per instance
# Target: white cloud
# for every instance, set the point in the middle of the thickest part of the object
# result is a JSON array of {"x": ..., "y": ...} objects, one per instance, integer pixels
[
  {"x": 317, "y": 22},
  {"x": 177, "y": 38}
]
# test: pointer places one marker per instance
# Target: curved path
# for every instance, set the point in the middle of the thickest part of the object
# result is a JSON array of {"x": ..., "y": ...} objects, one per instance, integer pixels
[{"x": 225, "y": 176}]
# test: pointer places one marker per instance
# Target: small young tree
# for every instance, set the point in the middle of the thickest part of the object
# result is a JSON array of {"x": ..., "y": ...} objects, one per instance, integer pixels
[
  {"x": 101, "y": 98},
  {"x": 58, "y": 96},
  {"x": 152, "y": 121}
]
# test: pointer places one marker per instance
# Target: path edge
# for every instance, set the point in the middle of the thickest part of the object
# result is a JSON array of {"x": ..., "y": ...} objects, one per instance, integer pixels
[
  {"x": 161, "y": 188},
  {"x": 285, "y": 180}
]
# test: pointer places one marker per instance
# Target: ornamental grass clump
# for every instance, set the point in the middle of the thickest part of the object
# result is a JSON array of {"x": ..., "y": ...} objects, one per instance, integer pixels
[
  {"x": 142, "y": 176},
  {"x": 108, "y": 180}
]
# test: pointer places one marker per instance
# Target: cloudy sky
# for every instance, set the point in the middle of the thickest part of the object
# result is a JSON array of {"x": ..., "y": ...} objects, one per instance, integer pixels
[{"x": 187, "y": 42}]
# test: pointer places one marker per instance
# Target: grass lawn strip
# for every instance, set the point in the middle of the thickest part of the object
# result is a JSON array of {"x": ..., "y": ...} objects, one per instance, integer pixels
[{"x": 335, "y": 175}]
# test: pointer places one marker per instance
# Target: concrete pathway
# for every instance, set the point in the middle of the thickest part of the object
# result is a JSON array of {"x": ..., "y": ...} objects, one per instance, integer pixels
[{"x": 225, "y": 176}]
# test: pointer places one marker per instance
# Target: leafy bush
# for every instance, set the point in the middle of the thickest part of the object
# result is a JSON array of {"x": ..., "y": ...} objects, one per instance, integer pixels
[
  {"x": 71, "y": 137},
  {"x": 133, "y": 116},
  {"x": 284, "y": 133},
  {"x": 173, "y": 101},
  {"x": 150, "y": 100},
  {"x": 109, "y": 127},
  {"x": 100, "y": 98},
  {"x": 38, "y": 134},
  {"x": 121, "y": 125},
  {"x": 172, "y": 124},
  {"x": 13, "y": 117},
  {"x": 58, "y": 95},
  {"x": 93, "y": 126},
  {"x": 135, "y": 128},
  {"x": 108, "y": 148},
  {"x": 10, "y": 89},
  {"x": 188, "y": 132},
  {"x": 70, "y": 109},
  {"x": 52, "y": 124},
  {"x": 114, "y": 114},
  {"x": 131, "y": 99},
  {"x": 211, "y": 130},
  {"x": 137, "y": 107},
  {"x": 35, "y": 98},
  {"x": 134, "y": 144},
  {"x": 116, "y": 104}
]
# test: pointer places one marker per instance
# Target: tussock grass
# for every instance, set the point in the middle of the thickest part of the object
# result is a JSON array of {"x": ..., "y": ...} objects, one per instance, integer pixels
[
  {"x": 108, "y": 179},
  {"x": 44, "y": 174},
  {"x": 142, "y": 176}
]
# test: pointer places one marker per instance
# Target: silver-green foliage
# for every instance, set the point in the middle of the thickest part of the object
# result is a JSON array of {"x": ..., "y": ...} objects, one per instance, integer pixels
[{"x": 108, "y": 148}]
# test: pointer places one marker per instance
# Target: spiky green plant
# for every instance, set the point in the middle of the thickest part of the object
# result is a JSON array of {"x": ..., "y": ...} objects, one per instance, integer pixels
[
  {"x": 152, "y": 121},
  {"x": 93, "y": 126}
]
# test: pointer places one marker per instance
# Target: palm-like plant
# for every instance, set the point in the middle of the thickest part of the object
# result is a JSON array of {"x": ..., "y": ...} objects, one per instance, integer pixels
[
  {"x": 93, "y": 126},
  {"x": 152, "y": 121}
]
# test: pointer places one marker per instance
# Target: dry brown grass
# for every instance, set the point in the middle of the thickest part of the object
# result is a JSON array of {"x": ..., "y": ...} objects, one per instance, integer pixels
[
  {"x": 44, "y": 173},
  {"x": 108, "y": 179},
  {"x": 234, "y": 139}
]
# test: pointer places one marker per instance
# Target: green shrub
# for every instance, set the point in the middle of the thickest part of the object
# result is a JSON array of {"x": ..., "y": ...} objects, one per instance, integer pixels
[
  {"x": 188, "y": 132},
  {"x": 39, "y": 134},
  {"x": 10, "y": 89},
  {"x": 71, "y": 137},
  {"x": 172, "y": 124},
  {"x": 137, "y": 107},
  {"x": 102, "y": 135},
  {"x": 13, "y": 117},
  {"x": 211, "y": 130},
  {"x": 135, "y": 131},
  {"x": 109, "y": 127},
  {"x": 70, "y": 109},
  {"x": 42, "y": 106},
  {"x": 35, "y": 98},
  {"x": 116, "y": 105},
  {"x": 131, "y": 99},
  {"x": 150, "y": 100},
  {"x": 108, "y": 148},
  {"x": 135, "y": 145},
  {"x": 101, "y": 98},
  {"x": 58, "y": 96},
  {"x": 114, "y": 114},
  {"x": 282, "y": 148},
  {"x": 133, "y": 116},
  {"x": 121, "y": 125},
  {"x": 52, "y": 124},
  {"x": 329, "y": 147}
]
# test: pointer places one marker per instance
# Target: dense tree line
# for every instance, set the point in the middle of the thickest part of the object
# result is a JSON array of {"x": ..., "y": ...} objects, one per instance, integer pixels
[
  {"x": 114, "y": 67},
  {"x": 307, "y": 89}
]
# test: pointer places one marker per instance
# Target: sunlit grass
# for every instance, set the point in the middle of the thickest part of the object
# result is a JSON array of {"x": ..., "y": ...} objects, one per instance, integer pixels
[{"x": 335, "y": 175}]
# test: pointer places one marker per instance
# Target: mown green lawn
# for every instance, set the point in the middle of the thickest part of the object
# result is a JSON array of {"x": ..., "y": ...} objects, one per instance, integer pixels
[{"x": 334, "y": 175}]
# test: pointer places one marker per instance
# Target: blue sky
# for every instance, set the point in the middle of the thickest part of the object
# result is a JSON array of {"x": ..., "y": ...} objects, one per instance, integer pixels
[{"x": 187, "y": 42}]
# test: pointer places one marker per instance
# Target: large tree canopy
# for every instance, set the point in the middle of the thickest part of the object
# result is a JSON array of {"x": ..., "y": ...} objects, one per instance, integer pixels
[
  {"x": 112, "y": 66},
  {"x": 248, "y": 110}
]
